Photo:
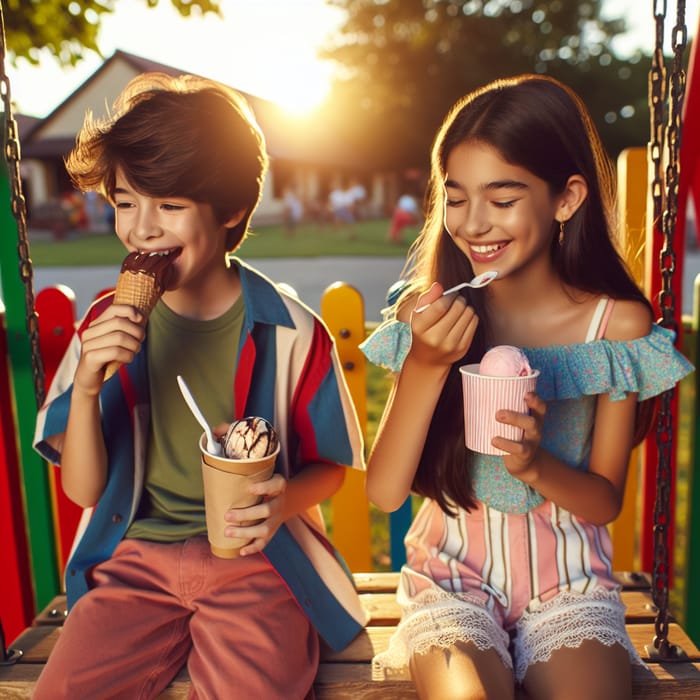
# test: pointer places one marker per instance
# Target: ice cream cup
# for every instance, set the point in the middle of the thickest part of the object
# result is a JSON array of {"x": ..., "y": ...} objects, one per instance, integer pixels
[
  {"x": 226, "y": 484},
  {"x": 483, "y": 397}
]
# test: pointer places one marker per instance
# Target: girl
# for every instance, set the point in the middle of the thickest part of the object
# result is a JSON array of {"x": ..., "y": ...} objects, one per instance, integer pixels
[{"x": 508, "y": 573}]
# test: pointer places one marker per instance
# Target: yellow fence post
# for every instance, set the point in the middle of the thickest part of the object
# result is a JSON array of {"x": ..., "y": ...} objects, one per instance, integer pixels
[
  {"x": 633, "y": 191},
  {"x": 342, "y": 309}
]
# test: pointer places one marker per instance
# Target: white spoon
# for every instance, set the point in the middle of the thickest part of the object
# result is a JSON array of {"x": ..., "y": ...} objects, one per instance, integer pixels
[
  {"x": 213, "y": 445},
  {"x": 479, "y": 281}
]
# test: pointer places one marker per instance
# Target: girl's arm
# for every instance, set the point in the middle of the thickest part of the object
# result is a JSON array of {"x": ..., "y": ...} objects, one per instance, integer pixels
[
  {"x": 441, "y": 335},
  {"x": 115, "y": 335},
  {"x": 595, "y": 495}
]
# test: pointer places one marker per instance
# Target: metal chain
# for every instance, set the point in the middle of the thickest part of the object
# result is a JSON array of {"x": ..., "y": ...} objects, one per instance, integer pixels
[
  {"x": 665, "y": 140},
  {"x": 19, "y": 210}
]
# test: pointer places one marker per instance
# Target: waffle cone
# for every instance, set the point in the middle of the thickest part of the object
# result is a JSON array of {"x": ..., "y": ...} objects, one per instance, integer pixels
[{"x": 137, "y": 289}]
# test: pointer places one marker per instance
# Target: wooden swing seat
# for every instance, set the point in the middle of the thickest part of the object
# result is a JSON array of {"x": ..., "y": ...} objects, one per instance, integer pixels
[{"x": 347, "y": 675}]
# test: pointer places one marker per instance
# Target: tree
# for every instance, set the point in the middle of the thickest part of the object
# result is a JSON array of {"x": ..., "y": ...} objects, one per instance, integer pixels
[
  {"x": 407, "y": 62},
  {"x": 67, "y": 27}
]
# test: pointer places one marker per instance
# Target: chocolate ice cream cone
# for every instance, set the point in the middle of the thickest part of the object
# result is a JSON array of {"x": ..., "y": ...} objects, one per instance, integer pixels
[{"x": 142, "y": 281}]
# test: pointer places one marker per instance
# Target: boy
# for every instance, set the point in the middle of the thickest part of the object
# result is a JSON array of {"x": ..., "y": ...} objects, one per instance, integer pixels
[{"x": 183, "y": 161}]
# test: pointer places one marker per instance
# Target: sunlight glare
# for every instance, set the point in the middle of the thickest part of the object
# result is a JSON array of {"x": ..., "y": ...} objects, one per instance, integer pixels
[{"x": 266, "y": 49}]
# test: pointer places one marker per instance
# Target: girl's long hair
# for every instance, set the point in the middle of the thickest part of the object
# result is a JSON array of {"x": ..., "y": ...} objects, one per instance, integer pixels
[{"x": 537, "y": 123}]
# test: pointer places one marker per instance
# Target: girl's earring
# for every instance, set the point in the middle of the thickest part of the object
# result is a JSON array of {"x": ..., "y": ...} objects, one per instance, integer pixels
[{"x": 561, "y": 232}]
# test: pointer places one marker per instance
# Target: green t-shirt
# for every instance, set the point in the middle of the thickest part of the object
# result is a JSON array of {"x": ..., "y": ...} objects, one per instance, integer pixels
[{"x": 204, "y": 353}]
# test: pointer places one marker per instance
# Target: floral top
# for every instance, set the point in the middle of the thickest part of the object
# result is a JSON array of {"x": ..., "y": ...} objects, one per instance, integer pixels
[{"x": 570, "y": 378}]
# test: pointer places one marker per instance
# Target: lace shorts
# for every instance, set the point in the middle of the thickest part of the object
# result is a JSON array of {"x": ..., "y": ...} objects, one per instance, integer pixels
[{"x": 524, "y": 585}]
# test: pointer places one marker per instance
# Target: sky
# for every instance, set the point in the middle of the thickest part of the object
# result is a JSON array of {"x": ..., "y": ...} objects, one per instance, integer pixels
[{"x": 266, "y": 48}]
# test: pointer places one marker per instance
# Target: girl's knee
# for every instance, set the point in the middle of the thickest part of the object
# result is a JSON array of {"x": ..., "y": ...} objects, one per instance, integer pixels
[
  {"x": 462, "y": 672},
  {"x": 591, "y": 670}
]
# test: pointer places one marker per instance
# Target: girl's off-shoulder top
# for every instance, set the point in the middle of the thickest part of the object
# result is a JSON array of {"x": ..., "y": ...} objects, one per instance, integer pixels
[{"x": 571, "y": 376}]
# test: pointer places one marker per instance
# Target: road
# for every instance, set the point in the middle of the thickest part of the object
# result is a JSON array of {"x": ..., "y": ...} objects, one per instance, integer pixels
[{"x": 308, "y": 276}]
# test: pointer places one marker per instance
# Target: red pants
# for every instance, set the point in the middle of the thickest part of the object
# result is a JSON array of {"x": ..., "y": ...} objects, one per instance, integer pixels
[{"x": 156, "y": 606}]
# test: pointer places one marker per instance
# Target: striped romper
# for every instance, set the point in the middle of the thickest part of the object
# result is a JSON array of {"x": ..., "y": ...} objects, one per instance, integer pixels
[{"x": 519, "y": 574}]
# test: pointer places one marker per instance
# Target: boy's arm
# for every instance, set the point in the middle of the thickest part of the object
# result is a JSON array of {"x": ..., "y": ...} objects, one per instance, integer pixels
[
  {"x": 84, "y": 455},
  {"x": 116, "y": 334}
]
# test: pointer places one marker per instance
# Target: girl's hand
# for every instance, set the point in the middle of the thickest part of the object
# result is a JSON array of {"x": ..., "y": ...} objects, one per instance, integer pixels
[
  {"x": 442, "y": 332},
  {"x": 268, "y": 512},
  {"x": 521, "y": 461},
  {"x": 116, "y": 334}
]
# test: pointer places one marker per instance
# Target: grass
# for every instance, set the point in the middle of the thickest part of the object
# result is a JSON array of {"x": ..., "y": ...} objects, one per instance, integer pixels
[{"x": 364, "y": 238}]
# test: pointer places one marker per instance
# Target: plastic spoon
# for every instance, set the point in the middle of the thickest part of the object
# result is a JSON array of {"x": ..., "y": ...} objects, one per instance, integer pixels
[
  {"x": 213, "y": 445},
  {"x": 479, "y": 281}
]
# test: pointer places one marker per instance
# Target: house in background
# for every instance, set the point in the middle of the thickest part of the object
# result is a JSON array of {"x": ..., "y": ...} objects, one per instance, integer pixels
[{"x": 303, "y": 153}]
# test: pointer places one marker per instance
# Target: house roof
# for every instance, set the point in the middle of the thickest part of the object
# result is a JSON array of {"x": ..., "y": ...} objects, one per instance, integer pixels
[{"x": 309, "y": 140}]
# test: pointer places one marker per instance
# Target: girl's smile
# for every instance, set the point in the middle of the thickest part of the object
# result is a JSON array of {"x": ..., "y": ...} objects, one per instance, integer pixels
[{"x": 497, "y": 213}]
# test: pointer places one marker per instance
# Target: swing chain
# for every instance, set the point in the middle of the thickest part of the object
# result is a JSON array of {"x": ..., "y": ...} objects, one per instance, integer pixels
[
  {"x": 665, "y": 140},
  {"x": 19, "y": 211}
]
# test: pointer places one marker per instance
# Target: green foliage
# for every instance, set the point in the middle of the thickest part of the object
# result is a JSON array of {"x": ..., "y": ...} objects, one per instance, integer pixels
[
  {"x": 66, "y": 28},
  {"x": 407, "y": 62}
]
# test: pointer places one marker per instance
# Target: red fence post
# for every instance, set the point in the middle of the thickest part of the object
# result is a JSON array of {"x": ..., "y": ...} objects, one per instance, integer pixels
[
  {"x": 16, "y": 593},
  {"x": 55, "y": 307}
]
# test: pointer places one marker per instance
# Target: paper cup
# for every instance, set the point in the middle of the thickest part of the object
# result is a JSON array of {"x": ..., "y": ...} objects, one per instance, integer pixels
[
  {"x": 483, "y": 396},
  {"x": 226, "y": 484}
]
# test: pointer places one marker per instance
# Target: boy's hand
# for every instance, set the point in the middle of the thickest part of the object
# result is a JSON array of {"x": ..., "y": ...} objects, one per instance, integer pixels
[
  {"x": 269, "y": 512},
  {"x": 521, "y": 461},
  {"x": 116, "y": 334}
]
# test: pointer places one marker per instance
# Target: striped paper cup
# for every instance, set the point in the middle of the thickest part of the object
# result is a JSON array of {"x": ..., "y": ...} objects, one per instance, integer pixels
[{"x": 483, "y": 396}]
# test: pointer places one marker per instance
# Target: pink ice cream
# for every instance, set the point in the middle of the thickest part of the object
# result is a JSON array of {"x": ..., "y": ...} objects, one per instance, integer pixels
[{"x": 505, "y": 361}]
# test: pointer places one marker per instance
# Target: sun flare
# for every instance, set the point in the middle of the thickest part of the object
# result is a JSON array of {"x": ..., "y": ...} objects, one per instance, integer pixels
[{"x": 266, "y": 49}]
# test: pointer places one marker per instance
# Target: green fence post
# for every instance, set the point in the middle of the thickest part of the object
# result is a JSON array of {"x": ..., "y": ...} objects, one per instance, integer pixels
[{"x": 34, "y": 470}]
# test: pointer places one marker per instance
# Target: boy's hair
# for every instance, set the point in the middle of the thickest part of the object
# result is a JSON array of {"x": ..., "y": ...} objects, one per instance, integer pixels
[
  {"x": 540, "y": 124},
  {"x": 177, "y": 137}
]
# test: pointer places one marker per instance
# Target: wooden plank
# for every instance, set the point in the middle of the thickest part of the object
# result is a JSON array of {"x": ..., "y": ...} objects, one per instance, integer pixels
[
  {"x": 350, "y": 681},
  {"x": 643, "y": 634},
  {"x": 342, "y": 309},
  {"x": 348, "y": 675},
  {"x": 633, "y": 189},
  {"x": 377, "y": 592},
  {"x": 387, "y": 581},
  {"x": 36, "y": 643},
  {"x": 54, "y": 613},
  {"x": 377, "y": 582}
]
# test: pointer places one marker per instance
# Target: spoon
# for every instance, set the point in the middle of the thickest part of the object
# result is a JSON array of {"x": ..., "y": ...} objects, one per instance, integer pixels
[
  {"x": 479, "y": 281},
  {"x": 213, "y": 445}
]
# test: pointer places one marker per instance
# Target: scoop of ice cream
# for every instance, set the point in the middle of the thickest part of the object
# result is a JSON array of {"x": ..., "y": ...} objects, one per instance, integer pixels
[
  {"x": 157, "y": 264},
  {"x": 249, "y": 438},
  {"x": 505, "y": 361}
]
